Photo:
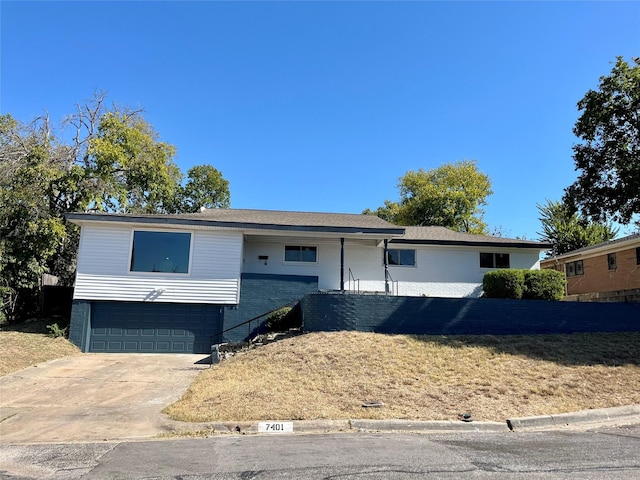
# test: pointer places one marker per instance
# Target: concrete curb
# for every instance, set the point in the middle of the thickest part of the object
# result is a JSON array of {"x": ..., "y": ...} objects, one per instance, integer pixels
[
  {"x": 618, "y": 415},
  {"x": 627, "y": 414},
  {"x": 427, "y": 426}
]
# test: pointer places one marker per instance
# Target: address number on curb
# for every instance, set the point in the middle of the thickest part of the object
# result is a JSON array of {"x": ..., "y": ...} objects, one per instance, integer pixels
[{"x": 275, "y": 427}]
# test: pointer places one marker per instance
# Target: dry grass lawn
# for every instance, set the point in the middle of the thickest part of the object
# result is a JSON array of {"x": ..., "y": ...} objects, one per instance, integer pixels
[
  {"x": 27, "y": 344},
  {"x": 330, "y": 375}
]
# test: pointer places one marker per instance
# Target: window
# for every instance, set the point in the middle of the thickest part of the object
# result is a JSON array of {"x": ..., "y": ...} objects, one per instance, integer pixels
[
  {"x": 574, "y": 268},
  {"x": 611, "y": 260},
  {"x": 494, "y": 260},
  {"x": 401, "y": 257},
  {"x": 637, "y": 255},
  {"x": 165, "y": 252},
  {"x": 297, "y": 253}
]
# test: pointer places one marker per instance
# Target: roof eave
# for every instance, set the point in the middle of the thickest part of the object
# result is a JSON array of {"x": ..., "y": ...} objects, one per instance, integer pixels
[
  {"x": 79, "y": 218},
  {"x": 537, "y": 246}
]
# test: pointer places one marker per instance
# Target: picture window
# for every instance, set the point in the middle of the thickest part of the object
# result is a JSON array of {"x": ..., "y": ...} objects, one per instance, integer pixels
[{"x": 160, "y": 252}]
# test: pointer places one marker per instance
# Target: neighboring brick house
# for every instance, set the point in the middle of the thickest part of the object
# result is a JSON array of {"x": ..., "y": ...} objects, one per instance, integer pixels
[{"x": 606, "y": 267}]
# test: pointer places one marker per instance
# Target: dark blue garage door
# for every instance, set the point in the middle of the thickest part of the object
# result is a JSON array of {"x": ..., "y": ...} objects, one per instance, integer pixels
[{"x": 153, "y": 327}]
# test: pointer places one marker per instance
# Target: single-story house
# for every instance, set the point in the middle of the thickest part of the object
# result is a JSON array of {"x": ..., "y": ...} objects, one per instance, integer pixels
[
  {"x": 605, "y": 267},
  {"x": 177, "y": 283}
]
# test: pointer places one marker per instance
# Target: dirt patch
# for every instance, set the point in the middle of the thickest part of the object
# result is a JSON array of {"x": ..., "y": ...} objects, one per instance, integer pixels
[
  {"x": 331, "y": 376},
  {"x": 28, "y": 344}
]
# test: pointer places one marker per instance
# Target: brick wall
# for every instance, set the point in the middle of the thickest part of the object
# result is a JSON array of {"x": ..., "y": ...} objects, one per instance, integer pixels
[
  {"x": 260, "y": 293},
  {"x": 463, "y": 316},
  {"x": 598, "y": 278}
]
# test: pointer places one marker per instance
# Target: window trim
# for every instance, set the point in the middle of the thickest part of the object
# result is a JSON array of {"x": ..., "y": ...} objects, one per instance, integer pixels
[
  {"x": 493, "y": 260},
  {"x": 574, "y": 265},
  {"x": 299, "y": 262},
  {"x": 159, "y": 230},
  {"x": 403, "y": 265}
]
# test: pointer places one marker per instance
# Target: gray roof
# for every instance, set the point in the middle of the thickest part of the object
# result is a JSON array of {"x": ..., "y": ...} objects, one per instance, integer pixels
[
  {"x": 446, "y": 236},
  {"x": 259, "y": 219},
  {"x": 610, "y": 243},
  {"x": 313, "y": 222}
]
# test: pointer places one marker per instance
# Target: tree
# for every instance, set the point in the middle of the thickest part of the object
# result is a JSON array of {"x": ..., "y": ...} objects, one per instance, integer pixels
[
  {"x": 566, "y": 230},
  {"x": 111, "y": 161},
  {"x": 450, "y": 196},
  {"x": 29, "y": 235},
  {"x": 608, "y": 156},
  {"x": 205, "y": 188}
]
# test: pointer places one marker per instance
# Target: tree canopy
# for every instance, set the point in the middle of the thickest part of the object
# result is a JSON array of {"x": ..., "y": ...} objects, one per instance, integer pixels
[
  {"x": 567, "y": 230},
  {"x": 98, "y": 159},
  {"x": 451, "y": 195},
  {"x": 608, "y": 155}
]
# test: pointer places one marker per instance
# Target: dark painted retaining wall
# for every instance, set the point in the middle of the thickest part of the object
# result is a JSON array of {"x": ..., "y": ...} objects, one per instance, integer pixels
[
  {"x": 261, "y": 293},
  {"x": 459, "y": 316}
]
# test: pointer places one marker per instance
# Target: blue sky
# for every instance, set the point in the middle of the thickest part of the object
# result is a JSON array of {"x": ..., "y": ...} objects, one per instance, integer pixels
[{"x": 322, "y": 106}]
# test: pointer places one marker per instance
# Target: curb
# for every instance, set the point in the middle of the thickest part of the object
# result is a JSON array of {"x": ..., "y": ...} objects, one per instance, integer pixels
[
  {"x": 627, "y": 414},
  {"x": 427, "y": 426},
  {"x": 619, "y": 415}
]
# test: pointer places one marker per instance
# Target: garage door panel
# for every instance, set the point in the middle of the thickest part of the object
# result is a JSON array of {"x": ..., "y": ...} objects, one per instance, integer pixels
[{"x": 133, "y": 327}]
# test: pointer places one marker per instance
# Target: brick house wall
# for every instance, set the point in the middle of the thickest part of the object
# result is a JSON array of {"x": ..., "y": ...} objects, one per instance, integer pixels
[{"x": 597, "y": 275}]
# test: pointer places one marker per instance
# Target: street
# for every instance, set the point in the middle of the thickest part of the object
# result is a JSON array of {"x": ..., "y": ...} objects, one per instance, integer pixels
[{"x": 604, "y": 453}]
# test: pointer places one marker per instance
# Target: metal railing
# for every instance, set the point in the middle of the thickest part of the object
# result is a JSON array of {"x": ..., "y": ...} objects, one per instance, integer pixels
[
  {"x": 356, "y": 282},
  {"x": 394, "y": 285},
  {"x": 218, "y": 339}
]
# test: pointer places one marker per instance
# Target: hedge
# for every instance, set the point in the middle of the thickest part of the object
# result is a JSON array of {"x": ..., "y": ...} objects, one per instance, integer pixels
[
  {"x": 508, "y": 283},
  {"x": 529, "y": 284},
  {"x": 544, "y": 285}
]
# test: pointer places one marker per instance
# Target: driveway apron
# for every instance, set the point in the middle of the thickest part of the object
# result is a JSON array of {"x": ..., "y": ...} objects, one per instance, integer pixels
[{"x": 94, "y": 397}]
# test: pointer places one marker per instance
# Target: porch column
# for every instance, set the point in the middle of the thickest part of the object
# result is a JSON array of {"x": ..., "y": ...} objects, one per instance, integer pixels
[
  {"x": 342, "y": 264},
  {"x": 386, "y": 267}
]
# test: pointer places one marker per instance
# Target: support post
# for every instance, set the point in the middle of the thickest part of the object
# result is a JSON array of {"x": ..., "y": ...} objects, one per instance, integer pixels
[
  {"x": 386, "y": 266},
  {"x": 342, "y": 264}
]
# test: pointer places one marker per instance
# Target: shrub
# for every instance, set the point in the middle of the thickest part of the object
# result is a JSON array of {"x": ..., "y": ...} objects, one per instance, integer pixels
[
  {"x": 508, "y": 283},
  {"x": 284, "y": 319},
  {"x": 56, "y": 331},
  {"x": 543, "y": 285}
]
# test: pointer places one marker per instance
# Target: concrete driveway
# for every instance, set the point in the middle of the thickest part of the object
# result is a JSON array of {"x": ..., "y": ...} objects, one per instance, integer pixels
[{"x": 94, "y": 397}]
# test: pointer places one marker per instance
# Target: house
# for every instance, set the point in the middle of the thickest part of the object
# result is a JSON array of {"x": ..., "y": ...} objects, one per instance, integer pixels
[
  {"x": 605, "y": 267},
  {"x": 177, "y": 283}
]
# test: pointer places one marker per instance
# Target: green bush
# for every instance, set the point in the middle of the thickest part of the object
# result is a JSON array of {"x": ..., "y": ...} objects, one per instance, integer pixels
[
  {"x": 507, "y": 283},
  {"x": 56, "y": 331},
  {"x": 543, "y": 285},
  {"x": 284, "y": 319}
]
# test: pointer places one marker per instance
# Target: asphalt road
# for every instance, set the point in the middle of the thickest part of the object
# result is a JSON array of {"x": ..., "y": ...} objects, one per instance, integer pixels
[{"x": 605, "y": 453}]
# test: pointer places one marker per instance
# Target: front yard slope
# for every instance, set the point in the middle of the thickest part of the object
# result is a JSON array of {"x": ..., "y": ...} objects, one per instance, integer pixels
[
  {"x": 331, "y": 375},
  {"x": 25, "y": 345}
]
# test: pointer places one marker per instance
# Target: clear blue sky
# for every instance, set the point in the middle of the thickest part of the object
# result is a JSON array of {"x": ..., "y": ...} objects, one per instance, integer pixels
[{"x": 321, "y": 106}]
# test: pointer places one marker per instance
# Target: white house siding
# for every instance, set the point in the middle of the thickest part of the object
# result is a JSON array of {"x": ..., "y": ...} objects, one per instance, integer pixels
[
  {"x": 327, "y": 268},
  {"x": 453, "y": 271},
  {"x": 103, "y": 269}
]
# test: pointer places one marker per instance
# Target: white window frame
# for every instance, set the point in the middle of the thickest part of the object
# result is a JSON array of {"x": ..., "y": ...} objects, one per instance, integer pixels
[
  {"x": 161, "y": 230},
  {"x": 297, "y": 262}
]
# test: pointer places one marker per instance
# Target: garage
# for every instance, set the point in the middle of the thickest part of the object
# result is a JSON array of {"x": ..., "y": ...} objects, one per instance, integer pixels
[{"x": 153, "y": 327}]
